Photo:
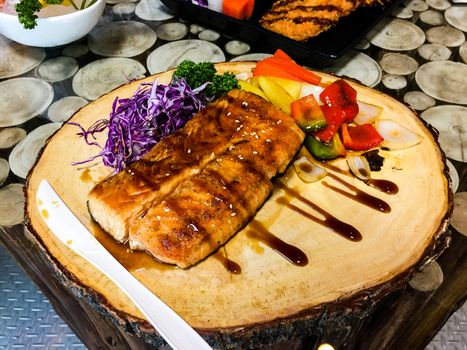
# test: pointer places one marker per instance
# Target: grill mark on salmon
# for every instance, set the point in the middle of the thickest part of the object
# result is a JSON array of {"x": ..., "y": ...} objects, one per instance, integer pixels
[
  {"x": 206, "y": 209},
  {"x": 230, "y": 122},
  {"x": 120, "y": 198},
  {"x": 216, "y": 205}
]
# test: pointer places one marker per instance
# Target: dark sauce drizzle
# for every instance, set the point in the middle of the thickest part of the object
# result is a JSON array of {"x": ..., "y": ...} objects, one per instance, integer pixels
[
  {"x": 230, "y": 265},
  {"x": 359, "y": 196},
  {"x": 288, "y": 251},
  {"x": 385, "y": 186},
  {"x": 345, "y": 230}
]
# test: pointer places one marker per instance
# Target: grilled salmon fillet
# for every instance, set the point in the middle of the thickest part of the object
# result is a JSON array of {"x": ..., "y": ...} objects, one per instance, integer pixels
[
  {"x": 200, "y": 185},
  {"x": 117, "y": 200},
  {"x": 304, "y": 19},
  {"x": 203, "y": 212}
]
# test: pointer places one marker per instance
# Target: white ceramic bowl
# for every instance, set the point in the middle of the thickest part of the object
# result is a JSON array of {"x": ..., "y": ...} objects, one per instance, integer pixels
[{"x": 53, "y": 31}]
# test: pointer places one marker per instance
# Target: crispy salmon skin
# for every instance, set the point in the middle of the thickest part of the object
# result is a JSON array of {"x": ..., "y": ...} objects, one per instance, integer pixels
[{"x": 202, "y": 184}]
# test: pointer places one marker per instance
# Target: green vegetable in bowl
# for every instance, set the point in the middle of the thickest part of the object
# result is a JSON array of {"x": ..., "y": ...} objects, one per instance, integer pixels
[
  {"x": 197, "y": 74},
  {"x": 26, "y": 9}
]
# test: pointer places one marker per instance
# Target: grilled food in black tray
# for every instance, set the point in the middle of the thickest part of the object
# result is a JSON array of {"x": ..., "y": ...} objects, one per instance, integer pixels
[{"x": 337, "y": 26}]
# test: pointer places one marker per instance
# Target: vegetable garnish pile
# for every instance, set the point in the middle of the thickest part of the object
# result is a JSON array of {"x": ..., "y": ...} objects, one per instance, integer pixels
[
  {"x": 137, "y": 123},
  {"x": 335, "y": 122}
]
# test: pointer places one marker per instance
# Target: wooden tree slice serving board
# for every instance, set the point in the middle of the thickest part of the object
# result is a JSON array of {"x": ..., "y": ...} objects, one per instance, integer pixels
[{"x": 271, "y": 295}]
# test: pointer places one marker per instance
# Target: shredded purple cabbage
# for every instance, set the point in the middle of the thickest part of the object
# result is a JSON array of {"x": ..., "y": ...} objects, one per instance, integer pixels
[{"x": 137, "y": 123}]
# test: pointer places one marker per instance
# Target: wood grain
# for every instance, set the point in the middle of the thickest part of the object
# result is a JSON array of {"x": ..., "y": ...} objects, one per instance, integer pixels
[{"x": 271, "y": 300}]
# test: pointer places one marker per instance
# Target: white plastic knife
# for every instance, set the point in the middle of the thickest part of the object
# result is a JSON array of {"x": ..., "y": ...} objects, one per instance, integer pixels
[{"x": 66, "y": 226}]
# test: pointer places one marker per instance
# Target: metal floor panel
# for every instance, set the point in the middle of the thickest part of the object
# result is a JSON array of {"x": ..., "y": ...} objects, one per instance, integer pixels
[
  {"x": 28, "y": 321},
  {"x": 453, "y": 335}
]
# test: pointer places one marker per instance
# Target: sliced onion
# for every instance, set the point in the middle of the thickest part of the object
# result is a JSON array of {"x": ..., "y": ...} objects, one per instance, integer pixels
[
  {"x": 395, "y": 135},
  {"x": 310, "y": 89},
  {"x": 308, "y": 171},
  {"x": 359, "y": 166},
  {"x": 244, "y": 76},
  {"x": 367, "y": 113}
]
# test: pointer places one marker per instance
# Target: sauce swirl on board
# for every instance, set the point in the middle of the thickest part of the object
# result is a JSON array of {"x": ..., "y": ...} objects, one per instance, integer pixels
[
  {"x": 331, "y": 222},
  {"x": 137, "y": 260},
  {"x": 230, "y": 265},
  {"x": 359, "y": 196},
  {"x": 291, "y": 253},
  {"x": 386, "y": 186}
]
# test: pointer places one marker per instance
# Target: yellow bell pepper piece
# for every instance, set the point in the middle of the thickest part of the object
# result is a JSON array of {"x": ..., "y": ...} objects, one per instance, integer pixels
[
  {"x": 254, "y": 81},
  {"x": 292, "y": 87},
  {"x": 244, "y": 85},
  {"x": 275, "y": 93}
]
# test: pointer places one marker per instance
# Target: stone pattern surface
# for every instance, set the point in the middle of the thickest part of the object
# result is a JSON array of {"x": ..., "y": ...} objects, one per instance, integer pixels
[{"x": 28, "y": 321}]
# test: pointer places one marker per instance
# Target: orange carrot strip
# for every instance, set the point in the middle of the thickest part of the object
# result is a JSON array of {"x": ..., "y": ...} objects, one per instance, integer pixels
[
  {"x": 265, "y": 69},
  {"x": 281, "y": 64},
  {"x": 295, "y": 69},
  {"x": 281, "y": 54}
]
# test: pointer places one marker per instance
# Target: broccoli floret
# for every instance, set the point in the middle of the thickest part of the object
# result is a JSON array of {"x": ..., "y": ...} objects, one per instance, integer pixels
[
  {"x": 221, "y": 84},
  {"x": 195, "y": 74}
]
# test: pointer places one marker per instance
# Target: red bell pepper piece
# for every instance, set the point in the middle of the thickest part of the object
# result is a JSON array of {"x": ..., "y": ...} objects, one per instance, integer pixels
[
  {"x": 340, "y": 106},
  {"x": 334, "y": 120},
  {"x": 307, "y": 114},
  {"x": 341, "y": 95},
  {"x": 360, "y": 137}
]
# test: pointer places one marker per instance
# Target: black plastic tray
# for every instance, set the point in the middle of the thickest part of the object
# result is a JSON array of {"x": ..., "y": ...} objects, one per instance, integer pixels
[{"x": 318, "y": 52}]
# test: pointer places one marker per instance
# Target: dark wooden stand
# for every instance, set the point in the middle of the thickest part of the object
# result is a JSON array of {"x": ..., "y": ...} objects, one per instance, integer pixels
[{"x": 404, "y": 319}]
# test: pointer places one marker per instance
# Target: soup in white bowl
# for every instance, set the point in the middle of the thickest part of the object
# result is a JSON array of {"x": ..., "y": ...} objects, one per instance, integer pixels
[{"x": 56, "y": 24}]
